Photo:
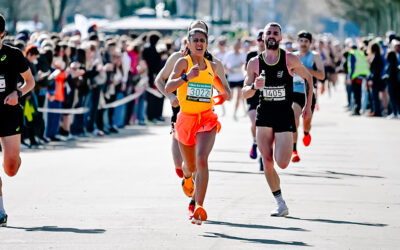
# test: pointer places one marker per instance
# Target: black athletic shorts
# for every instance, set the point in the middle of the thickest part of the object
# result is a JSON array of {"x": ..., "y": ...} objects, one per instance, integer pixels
[
  {"x": 253, "y": 101},
  {"x": 300, "y": 98},
  {"x": 238, "y": 84},
  {"x": 280, "y": 119},
  {"x": 175, "y": 112},
  {"x": 11, "y": 120}
]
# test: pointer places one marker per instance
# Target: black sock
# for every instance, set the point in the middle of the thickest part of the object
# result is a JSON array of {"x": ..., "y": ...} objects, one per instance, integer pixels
[
  {"x": 305, "y": 133},
  {"x": 192, "y": 202},
  {"x": 277, "y": 193},
  {"x": 294, "y": 146}
]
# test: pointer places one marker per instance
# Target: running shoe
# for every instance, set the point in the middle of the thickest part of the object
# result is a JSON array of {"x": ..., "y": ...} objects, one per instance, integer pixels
[
  {"x": 261, "y": 164},
  {"x": 281, "y": 210},
  {"x": 179, "y": 172},
  {"x": 3, "y": 219},
  {"x": 191, "y": 210},
  {"x": 295, "y": 157},
  {"x": 253, "y": 151},
  {"x": 307, "y": 140},
  {"x": 188, "y": 186},
  {"x": 199, "y": 215}
]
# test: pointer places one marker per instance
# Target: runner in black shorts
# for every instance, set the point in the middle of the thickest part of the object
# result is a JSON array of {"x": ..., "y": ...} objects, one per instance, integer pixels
[
  {"x": 253, "y": 101},
  {"x": 313, "y": 62},
  {"x": 275, "y": 119},
  {"x": 12, "y": 64}
]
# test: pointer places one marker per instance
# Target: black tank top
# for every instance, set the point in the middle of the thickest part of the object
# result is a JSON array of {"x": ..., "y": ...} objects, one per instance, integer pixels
[{"x": 278, "y": 89}]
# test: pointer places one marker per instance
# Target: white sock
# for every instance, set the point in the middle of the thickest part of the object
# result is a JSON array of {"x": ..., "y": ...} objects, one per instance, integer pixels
[
  {"x": 279, "y": 199},
  {"x": 1, "y": 205}
]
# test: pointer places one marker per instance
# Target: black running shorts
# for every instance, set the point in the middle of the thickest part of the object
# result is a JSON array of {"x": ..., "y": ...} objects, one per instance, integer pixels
[
  {"x": 280, "y": 119},
  {"x": 175, "y": 112},
  {"x": 11, "y": 120},
  {"x": 300, "y": 98},
  {"x": 253, "y": 101},
  {"x": 238, "y": 84}
]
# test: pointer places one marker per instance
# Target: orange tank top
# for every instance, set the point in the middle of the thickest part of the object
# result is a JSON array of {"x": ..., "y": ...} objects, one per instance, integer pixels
[{"x": 195, "y": 96}]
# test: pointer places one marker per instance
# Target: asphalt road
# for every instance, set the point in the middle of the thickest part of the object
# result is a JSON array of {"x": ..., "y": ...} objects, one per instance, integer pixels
[{"x": 121, "y": 192}]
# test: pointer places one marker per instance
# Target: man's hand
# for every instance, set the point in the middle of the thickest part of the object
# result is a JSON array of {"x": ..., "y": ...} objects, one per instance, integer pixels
[
  {"x": 11, "y": 99},
  {"x": 259, "y": 83}
]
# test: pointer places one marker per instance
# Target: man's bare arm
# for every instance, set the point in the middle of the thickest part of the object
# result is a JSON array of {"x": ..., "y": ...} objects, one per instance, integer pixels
[
  {"x": 165, "y": 72},
  {"x": 250, "y": 77},
  {"x": 320, "y": 72},
  {"x": 220, "y": 71}
]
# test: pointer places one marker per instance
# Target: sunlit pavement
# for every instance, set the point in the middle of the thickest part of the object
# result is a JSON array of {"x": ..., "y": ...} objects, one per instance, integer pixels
[{"x": 122, "y": 192}]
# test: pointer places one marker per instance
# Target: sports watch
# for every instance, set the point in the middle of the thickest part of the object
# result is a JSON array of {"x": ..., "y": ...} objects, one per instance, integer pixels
[
  {"x": 184, "y": 77},
  {"x": 19, "y": 93}
]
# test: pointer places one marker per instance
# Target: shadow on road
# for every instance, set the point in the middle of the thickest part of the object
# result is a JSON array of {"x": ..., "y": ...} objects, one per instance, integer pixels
[
  {"x": 223, "y": 223},
  {"x": 82, "y": 142},
  {"x": 234, "y": 162},
  {"x": 285, "y": 173},
  {"x": 60, "y": 229},
  {"x": 339, "y": 222},
  {"x": 310, "y": 175},
  {"x": 263, "y": 241},
  {"x": 229, "y": 150},
  {"x": 355, "y": 175},
  {"x": 234, "y": 172}
]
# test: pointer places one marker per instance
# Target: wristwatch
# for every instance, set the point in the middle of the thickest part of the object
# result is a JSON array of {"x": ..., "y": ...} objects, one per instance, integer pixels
[
  {"x": 184, "y": 77},
  {"x": 19, "y": 93}
]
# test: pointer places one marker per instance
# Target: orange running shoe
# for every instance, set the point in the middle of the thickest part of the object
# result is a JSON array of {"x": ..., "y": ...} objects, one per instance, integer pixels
[
  {"x": 179, "y": 172},
  {"x": 295, "y": 157},
  {"x": 307, "y": 140},
  {"x": 199, "y": 215},
  {"x": 188, "y": 186}
]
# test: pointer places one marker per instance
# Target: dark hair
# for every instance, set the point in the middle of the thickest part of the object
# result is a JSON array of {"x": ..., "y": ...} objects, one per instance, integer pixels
[
  {"x": 20, "y": 45},
  {"x": 48, "y": 54},
  {"x": 2, "y": 23},
  {"x": 197, "y": 30},
  {"x": 153, "y": 37},
  {"x": 81, "y": 56},
  {"x": 93, "y": 37},
  {"x": 32, "y": 50},
  {"x": 273, "y": 24},
  {"x": 304, "y": 34},
  {"x": 195, "y": 22},
  {"x": 207, "y": 55},
  {"x": 392, "y": 58},
  {"x": 376, "y": 49}
]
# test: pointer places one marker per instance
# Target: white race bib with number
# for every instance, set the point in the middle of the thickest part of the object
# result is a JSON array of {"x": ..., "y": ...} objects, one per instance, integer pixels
[
  {"x": 274, "y": 93},
  {"x": 199, "y": 92},
  {"x": 2, "y": 83}
]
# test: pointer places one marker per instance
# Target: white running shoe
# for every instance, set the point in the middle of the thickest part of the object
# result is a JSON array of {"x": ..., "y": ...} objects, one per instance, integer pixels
[{"x": 281, "y": 210}]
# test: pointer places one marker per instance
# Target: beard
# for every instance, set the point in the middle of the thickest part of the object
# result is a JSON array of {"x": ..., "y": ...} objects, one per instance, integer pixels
[{"x": 272, "y": 44}]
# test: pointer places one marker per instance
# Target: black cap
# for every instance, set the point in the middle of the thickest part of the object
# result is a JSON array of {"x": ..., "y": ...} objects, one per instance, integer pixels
[
  {"x": 260, "y": 35},
  {"x": 305, "y": 34},
  {"x": 2, "y": 24}
]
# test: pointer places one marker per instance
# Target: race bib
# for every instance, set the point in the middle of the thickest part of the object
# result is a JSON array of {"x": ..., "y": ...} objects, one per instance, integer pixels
[
  {"x": 2, "y": 83},
  {"x": 199, "y": 92},
  {"x": 274, "y": 93}
]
